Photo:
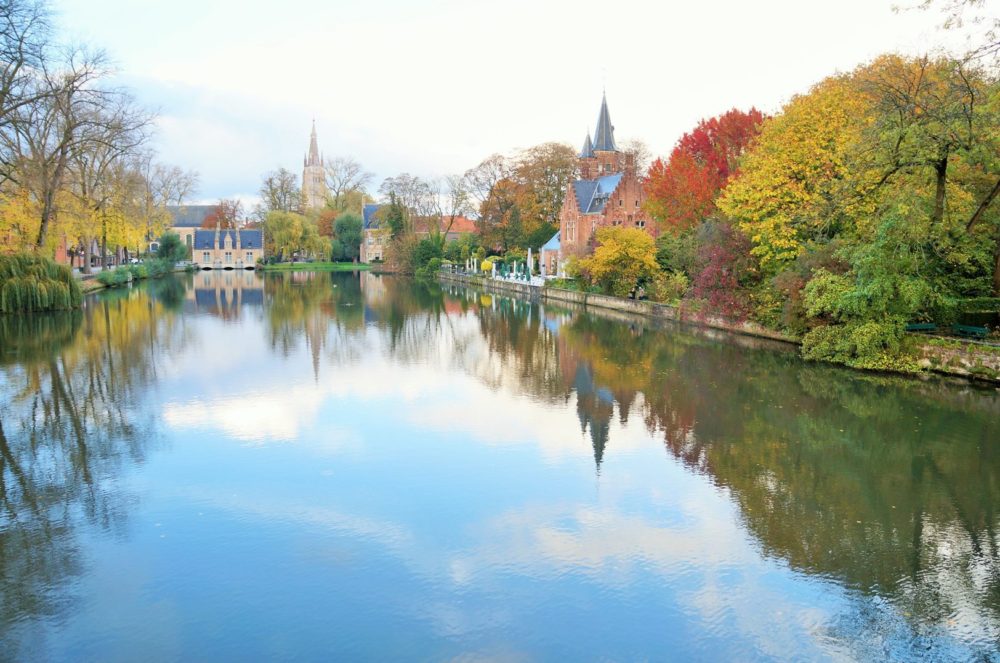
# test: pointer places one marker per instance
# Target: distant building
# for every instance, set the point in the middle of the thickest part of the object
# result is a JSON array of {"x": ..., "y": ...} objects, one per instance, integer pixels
[
  {"x": 184, "y": 221},
  {"x": 608, "y": 193},
  {"x": 460, "y": 225},
  {"x": 314, "y": 189},
  {"x": 228, "y": 249},
  {"x": 374, "y": 237}
]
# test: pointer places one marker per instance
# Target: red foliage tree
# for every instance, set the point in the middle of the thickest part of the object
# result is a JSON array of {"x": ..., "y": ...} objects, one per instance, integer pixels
[
  {"x": 723, "y": 270},
  {"x": 226, "y": 214},
  {"x": 682, "y": 191}
]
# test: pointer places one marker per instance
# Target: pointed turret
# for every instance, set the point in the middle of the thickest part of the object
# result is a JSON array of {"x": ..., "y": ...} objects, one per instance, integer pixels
[
  {"x": 604, "y": 137},
  {"x": 588, "y": 148}
]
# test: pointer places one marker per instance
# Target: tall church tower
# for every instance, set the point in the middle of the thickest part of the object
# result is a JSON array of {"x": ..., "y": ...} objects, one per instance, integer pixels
[{"x": 313, "y": 178}]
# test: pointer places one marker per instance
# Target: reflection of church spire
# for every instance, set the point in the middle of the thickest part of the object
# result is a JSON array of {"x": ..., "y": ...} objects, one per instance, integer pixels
[{"x": 594, "y": 407}]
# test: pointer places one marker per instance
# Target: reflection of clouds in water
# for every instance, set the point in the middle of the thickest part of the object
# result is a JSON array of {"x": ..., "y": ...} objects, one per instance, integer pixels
[
  {"x": 418, "y": 394},
  {"x": 391, "y": 536},
  {"x": 726, "y": 580},
  {"x": 721, "y": 582}
]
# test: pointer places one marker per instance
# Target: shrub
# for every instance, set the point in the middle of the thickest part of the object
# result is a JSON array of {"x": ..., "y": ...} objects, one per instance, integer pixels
[
  {"x": 171, "y": 249},
  {"x": 668, "y": 287},
  {"x": 723, "y": 270},
  {"x": 875, "y": 345},
  {"x": 486, "y": 266}
]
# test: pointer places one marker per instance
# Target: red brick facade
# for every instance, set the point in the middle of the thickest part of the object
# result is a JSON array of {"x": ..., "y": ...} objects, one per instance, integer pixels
[{"x": 608, "y": 193}]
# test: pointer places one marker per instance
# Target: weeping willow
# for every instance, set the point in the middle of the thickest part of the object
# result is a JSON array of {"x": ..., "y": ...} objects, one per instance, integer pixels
[{"x": 32, "y": 283}]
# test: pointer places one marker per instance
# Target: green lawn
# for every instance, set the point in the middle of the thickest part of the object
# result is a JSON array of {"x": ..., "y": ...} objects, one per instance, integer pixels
[{"x": 315, "y": 267}]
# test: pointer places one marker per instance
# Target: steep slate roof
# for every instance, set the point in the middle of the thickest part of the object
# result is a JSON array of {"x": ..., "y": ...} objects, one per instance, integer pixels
[
  {"x": 592, "y": 195},
  {"x": 604, "y": 137},
  {"x": 189, "y": 216},
  {"x": 368, "y": 212},
  {"x": 553, "y": 244},
  {"x": 249, "y": 239},
  {"x": 588, "y": 148}
]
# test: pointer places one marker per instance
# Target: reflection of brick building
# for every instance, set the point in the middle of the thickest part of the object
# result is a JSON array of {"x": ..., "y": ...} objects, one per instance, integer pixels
[{"x": 608, "y": 193}]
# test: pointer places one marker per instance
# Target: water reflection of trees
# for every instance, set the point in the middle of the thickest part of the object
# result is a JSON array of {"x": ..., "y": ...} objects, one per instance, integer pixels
[
  {"x": 71, "y": 394},
  {"x": 889, "y": 485}
]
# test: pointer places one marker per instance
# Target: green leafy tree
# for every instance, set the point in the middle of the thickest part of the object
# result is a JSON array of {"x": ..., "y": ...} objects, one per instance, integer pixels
[
  {"x": 348, "y": 231},
  {"x": 171, "y": 249}
]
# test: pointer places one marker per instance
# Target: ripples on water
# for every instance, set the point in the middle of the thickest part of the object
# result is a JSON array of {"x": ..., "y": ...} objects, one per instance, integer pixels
[{"x": 361, "y": 467}]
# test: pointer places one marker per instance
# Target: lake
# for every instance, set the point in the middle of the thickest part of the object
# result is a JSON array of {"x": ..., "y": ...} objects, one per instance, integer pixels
[{"x": 236, "y": 466}]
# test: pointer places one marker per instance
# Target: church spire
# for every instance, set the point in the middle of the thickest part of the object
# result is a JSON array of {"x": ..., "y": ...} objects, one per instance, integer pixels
[
  {"x": 313, "y": 159},
  {"x": 588, "y": 148},
  {"x": 604, "y": 137}
]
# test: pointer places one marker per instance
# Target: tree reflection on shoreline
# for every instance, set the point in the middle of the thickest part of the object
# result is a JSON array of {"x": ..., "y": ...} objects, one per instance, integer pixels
[
  {"x": 71, "y": 417},
  {"x": 889, "y": 485}
]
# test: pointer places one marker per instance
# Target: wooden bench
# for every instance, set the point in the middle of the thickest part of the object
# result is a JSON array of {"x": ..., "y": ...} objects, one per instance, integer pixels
[
  {"x": 969, "y": 330},
  {"x": 921, "y": 327}
]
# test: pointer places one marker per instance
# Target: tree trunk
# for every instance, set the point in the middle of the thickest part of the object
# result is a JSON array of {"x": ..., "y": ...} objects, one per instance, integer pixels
[
  {"x": 104, "y": 243},
  {"x": 941, "y": 168},
  {"x": 996, "y": 267},
  {"x": 983, "y": 205},
  {"x": 88, "y": 255}
]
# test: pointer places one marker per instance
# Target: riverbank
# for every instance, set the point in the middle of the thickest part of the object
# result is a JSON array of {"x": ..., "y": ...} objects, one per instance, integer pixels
[
  {"x": 965, "y": 359},
  {"x": 315, "y": 267}
]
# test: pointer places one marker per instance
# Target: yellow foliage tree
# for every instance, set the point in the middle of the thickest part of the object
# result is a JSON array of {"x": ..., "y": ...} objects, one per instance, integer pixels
[
  {"x": 797, "y": 184},
  {"x": 19, "y": 221},
  {"x": 624, "y": 259}
]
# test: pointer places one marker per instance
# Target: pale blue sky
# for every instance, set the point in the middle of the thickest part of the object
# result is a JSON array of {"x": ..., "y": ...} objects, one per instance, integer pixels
[{"x": 434, "y": 87}]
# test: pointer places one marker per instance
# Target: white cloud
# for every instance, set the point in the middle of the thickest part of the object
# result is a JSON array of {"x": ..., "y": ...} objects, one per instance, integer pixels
[{"x": 433, "y": 87}]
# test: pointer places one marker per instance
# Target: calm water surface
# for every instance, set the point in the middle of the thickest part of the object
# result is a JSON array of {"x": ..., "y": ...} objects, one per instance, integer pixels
[{"x": 354, "y": 467}]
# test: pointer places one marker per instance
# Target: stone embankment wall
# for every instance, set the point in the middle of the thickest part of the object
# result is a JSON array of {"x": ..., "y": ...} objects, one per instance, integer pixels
[
  {"x": 971, "y": 360},
  {"x": 629, "y": 306},
  {"x": 948, "y": 357}
]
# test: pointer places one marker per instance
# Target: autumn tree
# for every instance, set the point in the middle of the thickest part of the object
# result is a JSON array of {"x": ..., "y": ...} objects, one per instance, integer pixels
[
  {"x": 794, "y": 184},
  {"x": 346, "y": 181},
  {"x": 681, "y": 191},
  {"x": 623, "y": 260},
  {"x": 519, "y": 198},
  {"x": 63, "y": 119},
  {"x": 228, "y": 213}
]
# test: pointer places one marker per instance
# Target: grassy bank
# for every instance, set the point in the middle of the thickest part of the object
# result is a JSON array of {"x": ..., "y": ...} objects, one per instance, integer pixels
[{"x": 315, "y": 267}]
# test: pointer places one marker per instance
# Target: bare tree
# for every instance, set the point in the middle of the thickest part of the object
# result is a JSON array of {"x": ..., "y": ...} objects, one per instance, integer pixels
[
  {"x": 418, "y": 196},
  {"x": 344, "y": 175},
  {"x": 280, "y": 192},
  {"x": 457, "y": 199},
  {"x": 483, "y": 179},
  {"x": 24, "y": 35},
  {"x": 981, "y": 24},
  {"x": 169, "y": 185},
  {"x": 641, "y": 155}
]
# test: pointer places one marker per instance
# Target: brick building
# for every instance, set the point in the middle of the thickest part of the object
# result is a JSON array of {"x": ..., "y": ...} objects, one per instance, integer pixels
[{"x": 608, "y": 193}]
